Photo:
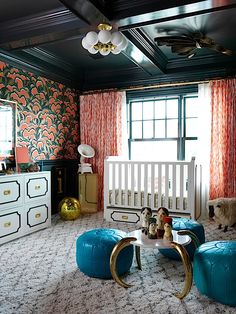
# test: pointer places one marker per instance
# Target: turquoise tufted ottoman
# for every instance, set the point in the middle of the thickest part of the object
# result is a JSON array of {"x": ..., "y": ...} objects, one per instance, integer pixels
[
  {"x": 93, "y": 250},
  {"x": 186, "y": 224},
  {"x": 214, "y": 271}
]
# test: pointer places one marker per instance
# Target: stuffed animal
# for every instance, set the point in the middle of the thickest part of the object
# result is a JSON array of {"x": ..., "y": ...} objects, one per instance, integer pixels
[
  {"x": 146, "y": 213},
  {"x": 223, "y": 211}
]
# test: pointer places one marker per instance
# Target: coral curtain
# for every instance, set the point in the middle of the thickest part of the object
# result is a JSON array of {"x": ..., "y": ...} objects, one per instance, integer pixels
[
  {"x": 101, "y": 128},
  {"x": 223, "y": 139}
]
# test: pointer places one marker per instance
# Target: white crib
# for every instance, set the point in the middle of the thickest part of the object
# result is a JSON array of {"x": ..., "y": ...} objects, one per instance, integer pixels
[{"x": 131, "y": 185}]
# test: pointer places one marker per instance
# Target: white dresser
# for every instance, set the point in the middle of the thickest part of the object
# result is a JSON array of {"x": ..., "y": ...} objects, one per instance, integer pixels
[{"x": 25, "y": 204}]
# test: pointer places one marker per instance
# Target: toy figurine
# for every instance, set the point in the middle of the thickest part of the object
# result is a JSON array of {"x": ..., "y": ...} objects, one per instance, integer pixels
[
  {"x": 146, "y": 213},
  {"x": 162, "y": 212},
  {"x": 152, "y": 229},
  {"x": 168, "y": 229}
]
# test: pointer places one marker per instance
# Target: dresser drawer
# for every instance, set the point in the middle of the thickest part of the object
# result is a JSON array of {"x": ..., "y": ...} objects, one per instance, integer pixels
[
  {"x": 10, "y": 225},
  {"x": 124, "y": 216},
  {"x": 11, "y": 193},
  {"x": 36, "y": 187},
  {"x": 38, "y": 215}
]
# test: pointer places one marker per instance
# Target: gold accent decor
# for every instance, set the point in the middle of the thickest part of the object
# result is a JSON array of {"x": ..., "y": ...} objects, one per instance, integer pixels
[
  {"x": 104, "y": 27},
  {"x": 7, "y": 224},
  {"x": 38, "y": 215},
  {"x": 59, "y": 190},
  {"x": 137, "y": 255},
  {"x": 104, "y": 47},
  {"x": 114, "y": 254},
  {"x": 69, "y": 208},
  {"x": 7, "y": 192},
  {"x": 104, "y": 41},
  {"x": 192, "y": 235},
  {"x": 187, "y": 269},
  {"x": 125, "y": 217},
  {"x": 37, "y": 187}
]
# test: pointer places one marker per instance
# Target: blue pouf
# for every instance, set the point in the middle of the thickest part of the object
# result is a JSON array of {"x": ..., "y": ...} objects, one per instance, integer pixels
[
  {"x": 214, "y": 271},
  {"x": 186, "y": 224},
  {"x": 93, "y": 250}
]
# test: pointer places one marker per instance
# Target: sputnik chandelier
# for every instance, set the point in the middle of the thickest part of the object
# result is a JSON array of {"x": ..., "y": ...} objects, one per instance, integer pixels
[{"x": 105, "y": 41}]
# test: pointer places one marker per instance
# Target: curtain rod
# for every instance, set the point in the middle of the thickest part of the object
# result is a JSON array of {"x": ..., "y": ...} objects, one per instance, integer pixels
[
  {"x": 144, "y": 87},
  {"x": 164, "y": 85}
]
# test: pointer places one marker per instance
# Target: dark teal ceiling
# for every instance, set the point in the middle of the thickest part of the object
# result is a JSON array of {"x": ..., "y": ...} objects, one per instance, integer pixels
[{"x": 45, "y": 37}]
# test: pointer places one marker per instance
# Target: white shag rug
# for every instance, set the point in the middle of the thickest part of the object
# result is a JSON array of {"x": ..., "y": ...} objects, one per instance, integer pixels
[{"x": 39, "y": 275}]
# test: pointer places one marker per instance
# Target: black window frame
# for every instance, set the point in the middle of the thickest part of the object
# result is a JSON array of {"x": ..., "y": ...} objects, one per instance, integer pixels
[{"x": 166, "y": 94}]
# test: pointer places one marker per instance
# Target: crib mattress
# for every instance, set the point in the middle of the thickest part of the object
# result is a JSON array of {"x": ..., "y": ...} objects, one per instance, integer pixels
[{"x": 139, "y": 200}]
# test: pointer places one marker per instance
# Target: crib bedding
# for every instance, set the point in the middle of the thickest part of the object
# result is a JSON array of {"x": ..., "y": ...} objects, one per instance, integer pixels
[{"x": 139, "y": 201}]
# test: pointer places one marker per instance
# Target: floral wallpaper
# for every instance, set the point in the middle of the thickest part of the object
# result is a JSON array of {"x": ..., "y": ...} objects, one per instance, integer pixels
[{"x": 47, "y": 113}]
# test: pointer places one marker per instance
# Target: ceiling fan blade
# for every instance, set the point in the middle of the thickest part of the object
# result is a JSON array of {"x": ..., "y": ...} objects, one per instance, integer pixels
[
  {"x": 222, "y": 49},
  {"x": 183, "y": 50},
  {"x": 188, "y": 44},
  {"x": 171, "y": 40},
  {"x": 206, "y": 41}
]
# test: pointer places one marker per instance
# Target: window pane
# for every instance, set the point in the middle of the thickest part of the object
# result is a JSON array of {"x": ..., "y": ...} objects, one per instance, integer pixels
[
  {"x": 160, "y": 128},
  {"x": 191, "y": 107},
  {"x": 172, "y": 108},
  {"x": 136, "y": 111},
  {"x": 160, "y": 109},
  {"x": 172, "y": 128},
  {"x": 148, "y": 110},
  {"x": 190, "y": 149},
  {"x": 147, "y": 129},
  {"x": 136, "y": 129},
  {"x": 149, "y": 150},
  {"x": 191, "y": 127}
]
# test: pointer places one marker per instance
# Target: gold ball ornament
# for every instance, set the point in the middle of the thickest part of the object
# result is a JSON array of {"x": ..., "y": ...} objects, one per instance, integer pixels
[{"x": 69, "y": 208}]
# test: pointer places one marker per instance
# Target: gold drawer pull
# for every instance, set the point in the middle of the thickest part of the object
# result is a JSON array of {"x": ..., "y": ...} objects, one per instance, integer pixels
[
  {"x": 37, "y": 187},
  {"x": 7, "y": 224},
  {"x": 125, "y": 217},
  {"x": 7, "y": 192},
  {"x": 38, "y": 215}
]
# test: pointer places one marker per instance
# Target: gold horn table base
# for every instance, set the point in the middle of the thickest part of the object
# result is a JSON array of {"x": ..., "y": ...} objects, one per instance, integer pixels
[{"x": 139, "y": 239}]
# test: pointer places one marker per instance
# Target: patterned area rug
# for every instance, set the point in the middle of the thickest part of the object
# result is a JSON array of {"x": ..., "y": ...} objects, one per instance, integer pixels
[{"x": 39, "y": 275}]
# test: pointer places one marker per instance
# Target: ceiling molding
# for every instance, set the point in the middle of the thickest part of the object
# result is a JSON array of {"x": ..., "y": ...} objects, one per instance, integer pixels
[
  {"x": 85, "y": 10},
  {"x": 39, "y": 21},
  {"x": 147, "y": 47},
  {"x": 22, "y": 61},
  {"x": 50, "y": 58},
  {"x": 40, "y": 29},
  {"x": 136, "y": 80},
  {"x": 205, "y": 61},
  {"x": 177, "y": 12},
  {"x": 122, "y": 9}
]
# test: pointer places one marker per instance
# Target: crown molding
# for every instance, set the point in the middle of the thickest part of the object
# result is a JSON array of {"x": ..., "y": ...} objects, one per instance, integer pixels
[
  {"x": 39, "y": 21},
  {"x": 22, "y": 61}
]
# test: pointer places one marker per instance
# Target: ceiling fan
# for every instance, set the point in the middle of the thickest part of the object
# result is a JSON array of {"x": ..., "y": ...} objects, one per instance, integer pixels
[{"x": 189, "y": 44}]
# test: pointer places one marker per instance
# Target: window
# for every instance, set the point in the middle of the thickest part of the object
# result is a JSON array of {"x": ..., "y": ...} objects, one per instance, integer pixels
[{"x": 163, "y": 128}]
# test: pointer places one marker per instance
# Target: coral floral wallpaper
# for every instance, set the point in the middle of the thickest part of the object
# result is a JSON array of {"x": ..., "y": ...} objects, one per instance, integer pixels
[{"x": 47, "y": 113}]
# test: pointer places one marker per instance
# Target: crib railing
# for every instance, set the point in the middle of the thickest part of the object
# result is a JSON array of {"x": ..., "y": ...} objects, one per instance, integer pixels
[{"x": 134, "y": 184}]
